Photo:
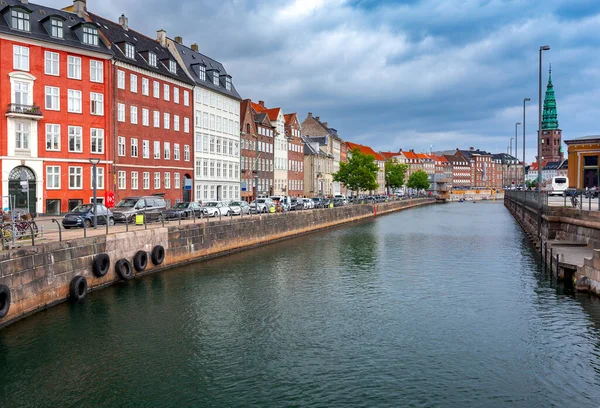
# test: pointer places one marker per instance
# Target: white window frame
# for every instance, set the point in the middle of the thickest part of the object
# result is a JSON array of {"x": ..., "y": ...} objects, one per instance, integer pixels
[
  {"x": 156, "y": 119},
  {"x": 145, "y": 117},
  {"x": 51, "y": 63},
  {"x": 96, "y": 104},
  {"x": 121, "y": 112},
  {"x": 186, "y": 98},
  {"x": 157, "y": 152},
  {"x": 177, "y": 181},
  {"x": 186, "y": 153},
  {"x": 176, "y": 95},
  {"x": 166, "y": 92},
  {"x": 53, "y": 135},
  {"x": 156, "y": 89},
  {"x": 186, "y": 125},
  {"x": 145, "y": 86},
  {"x": 121, "y": 146},
  {"x": 54, "y": 93},
  {"x": 167, "y": 150},
  {"x": 77, "y": 136},
  {"x": 20, "y": 58},
  {"x": 133, "y": 115},
  {"x": 176, "y": 152},
  {"x": 97, "y": 138},
  {"x": 134, "y": 180},
  {"x": 134, "y": 150},
  {"x": 167, "y": 180},
  {"x": 74, "y": 101},
  {"x": 73, "y": 67},
  {"x": 77, "y": 172},
  {"x": 120, "y": 79},
  {"x": 167, "y": 120},
  {"x": 157, "y": 180},
  {"x": 145, "y": 149},
  {"x": 121, "y": 180},
  {"x": 146, "y": 180},
  {"x": 133, "y": 83},
  {"x": 53, "y": 175},
  {"x": 129, "y": 51},
  {"x": 97, "y": 72},
  {"x": 176, "y": 123}
]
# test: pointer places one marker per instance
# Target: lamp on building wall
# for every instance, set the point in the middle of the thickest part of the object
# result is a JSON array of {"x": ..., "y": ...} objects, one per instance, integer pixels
[{"x": 94, "y": 163}]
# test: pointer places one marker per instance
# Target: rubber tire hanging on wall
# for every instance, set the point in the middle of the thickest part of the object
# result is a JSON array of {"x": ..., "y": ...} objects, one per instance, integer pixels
[
  {"x": 78, "y": 289},
  {"x": 124, "y": 269},
  {"x": 158, "y": 255},
  {"x": 101, "y": 265},
  {"x": 140, "y": 261},
  {"x": 4, "y": 300}
]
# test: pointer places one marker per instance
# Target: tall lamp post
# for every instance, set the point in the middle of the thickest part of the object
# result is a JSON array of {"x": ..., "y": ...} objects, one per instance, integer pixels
[
  {"x": 539, "y": 141},
  {"x": 524, "y": 189},
  {"x": 516, "y": 177},
  {"x": 94, "y": 163},
  {"x": 510, "y": 152}
]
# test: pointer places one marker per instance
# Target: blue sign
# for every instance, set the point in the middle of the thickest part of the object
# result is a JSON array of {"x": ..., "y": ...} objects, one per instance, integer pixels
[
  {"x": 244, "y": 187},
  {"x": 187, "y": 184}
]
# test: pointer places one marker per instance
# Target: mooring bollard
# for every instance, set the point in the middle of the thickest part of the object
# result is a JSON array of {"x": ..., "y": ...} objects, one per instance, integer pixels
[
  {"x": 179, "y": 216},
  {"x": 126, "y": 224},
  {"x": 107, "y": 221},
  {"x": 84, "y": 230},
  {"x": 145, "y": 224},
  {"x": 162, "y": 218}
]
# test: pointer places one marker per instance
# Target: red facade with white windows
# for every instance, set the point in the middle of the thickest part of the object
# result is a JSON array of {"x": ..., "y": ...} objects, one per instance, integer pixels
[{"x": 55, "y": 87}]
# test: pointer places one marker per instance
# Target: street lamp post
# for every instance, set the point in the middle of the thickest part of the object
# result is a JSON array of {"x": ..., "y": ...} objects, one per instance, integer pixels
[
  {"x": 539, "y": 141},
  {"x": 510, "y": 152},
  {"x": 516, "y": 152},
  {"x": 94, "y": 163},
  {"x": 524, "y": 188}
]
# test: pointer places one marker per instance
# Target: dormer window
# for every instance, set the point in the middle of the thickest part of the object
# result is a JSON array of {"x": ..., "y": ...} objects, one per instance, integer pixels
[
  {"x": 90, "y": 36},
  {"x": 172, "y": 67},
  {"x": 20, "y": 20},
  {"x": 228, "y": 83},
  {"x": 152, "y": 59},
  {"x": 129, "y": 51},
  {"x": 216, "y": 78},
  {"x": 56, "y": 28},
  {"x": 202, "y": 72}
]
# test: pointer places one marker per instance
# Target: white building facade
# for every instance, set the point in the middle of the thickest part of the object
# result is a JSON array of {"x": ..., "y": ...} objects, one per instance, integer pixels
[{"x": 216, "y": 125}]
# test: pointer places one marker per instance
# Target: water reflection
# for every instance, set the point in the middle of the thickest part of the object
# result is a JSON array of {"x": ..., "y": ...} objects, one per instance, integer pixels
[{"x": 439, "y": 306}]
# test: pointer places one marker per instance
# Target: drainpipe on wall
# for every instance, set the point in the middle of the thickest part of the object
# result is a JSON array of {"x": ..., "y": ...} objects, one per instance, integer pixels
[{"x": 114, "y": 126}]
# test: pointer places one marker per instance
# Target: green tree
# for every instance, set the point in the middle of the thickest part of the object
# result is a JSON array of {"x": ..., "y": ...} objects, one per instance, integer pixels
[
  {"x": 419, "y": 180},
  {"x": 394, "y": 175},
  {"x": 359, "y": 173}
]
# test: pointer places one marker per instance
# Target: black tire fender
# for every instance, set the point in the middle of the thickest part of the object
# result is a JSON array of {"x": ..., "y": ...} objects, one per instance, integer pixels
[
  {"x": 158, "y": 255},
  {"x": 101, "y": 265},
  {"x": 78, "y": 288},
  {"x": 140, "y": 261},
  {"x": 124, "y": 269},
  {"x": 4, "y": 300}
]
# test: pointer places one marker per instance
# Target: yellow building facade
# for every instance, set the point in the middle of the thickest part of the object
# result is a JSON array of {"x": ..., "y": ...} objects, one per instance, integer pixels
[{"x": 584, "y": 156}]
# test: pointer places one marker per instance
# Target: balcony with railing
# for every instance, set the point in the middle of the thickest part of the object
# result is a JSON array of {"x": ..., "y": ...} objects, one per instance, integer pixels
[{"x": 27, "y": 111}]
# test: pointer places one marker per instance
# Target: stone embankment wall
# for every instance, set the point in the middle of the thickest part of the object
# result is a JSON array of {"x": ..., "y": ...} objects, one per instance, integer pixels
[
  {"x": 39, "y": 277},
  {"x": 563, "y": 225}
]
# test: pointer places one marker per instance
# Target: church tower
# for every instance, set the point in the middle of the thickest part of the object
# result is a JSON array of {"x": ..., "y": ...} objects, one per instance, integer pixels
[{"x": 551, "y": 134}]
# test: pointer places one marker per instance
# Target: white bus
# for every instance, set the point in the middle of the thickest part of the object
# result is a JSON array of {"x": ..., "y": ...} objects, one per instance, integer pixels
[{"x": 558, "y": 186}]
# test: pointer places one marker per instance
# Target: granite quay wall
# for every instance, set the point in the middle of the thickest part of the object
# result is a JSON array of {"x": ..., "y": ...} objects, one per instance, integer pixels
[
  {"x": 40, "y": 276},
  {"x": 568, "y": 240}
]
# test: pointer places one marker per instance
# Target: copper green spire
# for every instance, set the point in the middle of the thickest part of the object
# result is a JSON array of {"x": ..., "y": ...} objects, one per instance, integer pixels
[{"x": 550, "y": 116}]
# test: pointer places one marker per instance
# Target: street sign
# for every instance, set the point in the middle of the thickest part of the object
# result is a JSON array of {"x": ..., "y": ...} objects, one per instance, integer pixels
[
  {"x": 244, "y": 186},
  {"x": 187, "y": 184}
]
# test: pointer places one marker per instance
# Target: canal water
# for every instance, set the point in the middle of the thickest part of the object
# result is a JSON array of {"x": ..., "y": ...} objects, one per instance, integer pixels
[{"x": 441, "y": 306}]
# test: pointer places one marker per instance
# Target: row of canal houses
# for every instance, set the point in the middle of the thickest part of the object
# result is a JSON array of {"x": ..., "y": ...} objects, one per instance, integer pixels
[{"x": 154, "y": 116}]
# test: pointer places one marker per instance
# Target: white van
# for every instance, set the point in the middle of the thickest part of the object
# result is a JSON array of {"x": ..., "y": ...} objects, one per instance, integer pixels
[{"x": 558, "y": 186}]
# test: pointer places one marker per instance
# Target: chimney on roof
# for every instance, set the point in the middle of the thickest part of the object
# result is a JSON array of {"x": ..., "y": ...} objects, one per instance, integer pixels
[
  {"x": 124, "y": 22},
  {"x": 179, "y": 39},
  {"x": 400, "y": 151},
  {"x": 261, "y": 103},
  {"x": 310, "y": 114},
  {"x": 194, "y": 47},
  {"x": 471, "y": 148},
  {"x": 325, "y": 124},
  {"x": 161, "y": 37},
  {"x": 79, "y": 7},
  {"x": 317, "y": 118}
]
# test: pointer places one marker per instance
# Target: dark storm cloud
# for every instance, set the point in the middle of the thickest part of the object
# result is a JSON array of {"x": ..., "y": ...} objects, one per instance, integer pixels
[{"x": 394, "y": 74}]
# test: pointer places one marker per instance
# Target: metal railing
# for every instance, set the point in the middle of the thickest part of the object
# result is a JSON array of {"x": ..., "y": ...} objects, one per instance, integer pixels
[
  {"x": 21, "y": 233},
  {"x": 24, "y": 109},
  {"x": 585, "y": 200}
]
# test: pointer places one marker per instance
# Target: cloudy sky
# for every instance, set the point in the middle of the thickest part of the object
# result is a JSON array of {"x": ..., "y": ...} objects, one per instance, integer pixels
[{"x": 396, "y": 74}]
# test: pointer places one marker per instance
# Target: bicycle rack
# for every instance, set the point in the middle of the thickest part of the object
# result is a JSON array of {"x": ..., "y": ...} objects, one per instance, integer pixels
[{"x": 59, "y": 229}]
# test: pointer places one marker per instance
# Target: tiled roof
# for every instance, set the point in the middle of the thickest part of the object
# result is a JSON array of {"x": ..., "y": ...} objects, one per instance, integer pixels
[
  {"x": 366, "y": 150},
  {"x": 424, "y": 156},
  {"x": 389, "y": 155},
  {"x": 117, "y": 36},
  {"x": 273, "y": 112},
  {"x": 38, "y": 18},
  {"x": 410, "y": 155},
  {"x": 192, "y": 58}
]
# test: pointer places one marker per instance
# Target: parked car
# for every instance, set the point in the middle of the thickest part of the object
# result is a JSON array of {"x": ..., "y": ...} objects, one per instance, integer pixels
[
  {"x": 183, "y": 210},
  {"x": 239, "y": 207},
  {"x": 214, "y": 208},
  {"x": 340, "y": 197},
  {"x": 309, "y": 204},
  {"x": 338, "y": 202},
  {"x": 84, "y": 214},
  {"x": 296, "y": 204},
  {"x": 152, "y": 206},
  {"x": 262, "y": 205}
]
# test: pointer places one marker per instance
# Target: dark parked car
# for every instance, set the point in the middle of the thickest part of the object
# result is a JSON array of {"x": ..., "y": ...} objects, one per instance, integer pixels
[
  {"x": 184, "y": 210},
  {"x": 296, "y": 204},
  {"x": 338, "y": 202},
  {"x": 84, "y": 214},
  {"x": 152, "y": 206}
]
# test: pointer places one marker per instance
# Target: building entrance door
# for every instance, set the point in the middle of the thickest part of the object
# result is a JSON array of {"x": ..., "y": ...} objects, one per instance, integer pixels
[{"x": 19, "y": 179}]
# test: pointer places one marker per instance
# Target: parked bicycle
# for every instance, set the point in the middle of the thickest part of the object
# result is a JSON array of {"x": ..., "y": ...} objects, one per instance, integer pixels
[
  {"x": 22, "y": 224},
  {"x": 575, "y": 202}
]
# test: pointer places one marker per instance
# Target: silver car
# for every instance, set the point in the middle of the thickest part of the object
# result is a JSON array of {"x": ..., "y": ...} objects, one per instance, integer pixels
[
  {"x": 239, "y": 207},
  {"x": 262, "y": 205},
  {"x": 216, "y": 208}
]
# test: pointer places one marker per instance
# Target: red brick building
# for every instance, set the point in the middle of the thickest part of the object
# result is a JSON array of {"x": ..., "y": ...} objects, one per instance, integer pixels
[
  {"x": 295, "y": 155},
  {"x": 257, "y": 135},
  {"x": 153, "y": 116},
  {"x": 55, "y": 86}
]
